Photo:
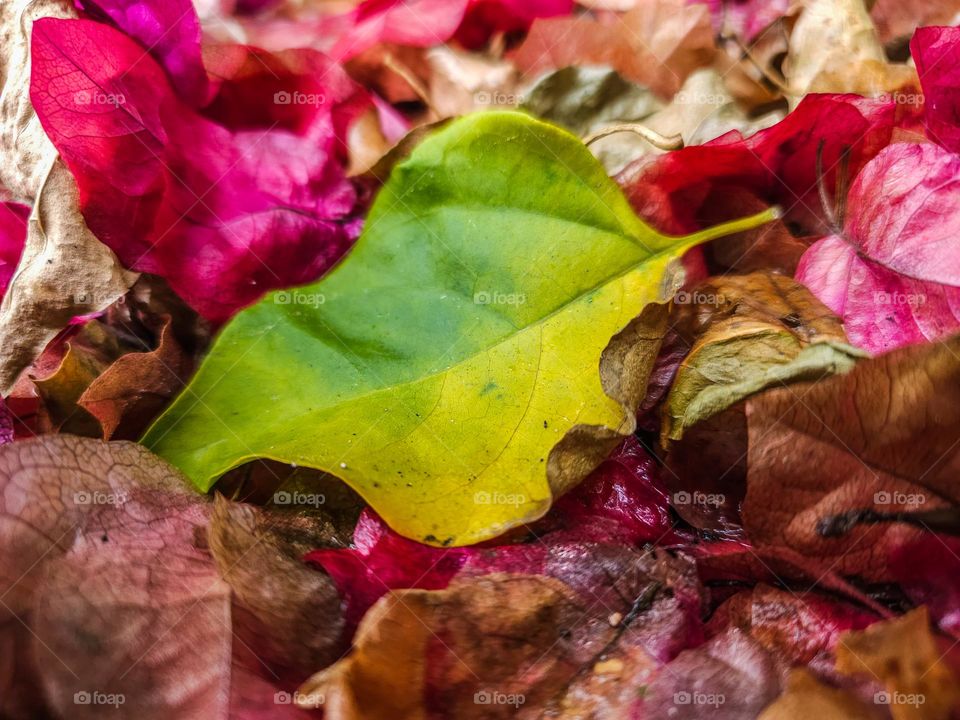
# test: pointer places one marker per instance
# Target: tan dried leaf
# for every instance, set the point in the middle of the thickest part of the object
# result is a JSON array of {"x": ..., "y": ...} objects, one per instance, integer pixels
[{"x": 64, "y": 272}]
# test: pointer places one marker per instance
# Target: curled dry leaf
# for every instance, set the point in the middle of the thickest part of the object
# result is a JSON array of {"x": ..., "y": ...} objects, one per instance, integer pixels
[
  {"x": 25, "y": 151},
  {"x": 882, "y": 437},
  {"x": 64, "y": 271},
  {"x": 903, "y": 654},
  {"x": 463, "y": 82},
  {"x": 130, "y": 393},
  {"x": 747, "y": 333},
  {"x": 807, "y": 697},
  {"x": 834, "y": 48},
  {"x": 902, "y": 660}
]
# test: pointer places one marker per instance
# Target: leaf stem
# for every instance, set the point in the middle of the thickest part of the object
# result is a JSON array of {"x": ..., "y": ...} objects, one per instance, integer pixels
[{"x": 735, "y": 226}]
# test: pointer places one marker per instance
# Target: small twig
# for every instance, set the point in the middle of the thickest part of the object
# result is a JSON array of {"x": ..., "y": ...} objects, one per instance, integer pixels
[{"x": 664, "y": 142}]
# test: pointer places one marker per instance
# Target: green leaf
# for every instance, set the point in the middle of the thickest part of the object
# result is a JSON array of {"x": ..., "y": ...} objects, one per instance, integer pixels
[{"x": 453, "y": 368}]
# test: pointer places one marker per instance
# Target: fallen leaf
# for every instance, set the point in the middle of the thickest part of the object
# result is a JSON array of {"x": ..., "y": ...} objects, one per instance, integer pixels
[
  {"x": 806, "y": 697},
  {"x": 463, "y": 82},
  {"x": 897, "y": 20},
  {"x": 65, "y": 272},
  {"x": 882, "y": 437},
  {"x": 834, "y": 49},
  {"x": 729, "y": 677},
  {"x": 798, "y": 628},
  {"x": 584, "y": 99},
  {"x": 468, "y": 349},
  {"x": 286, "y": 612},
  {"x": 128, "y": 395},
  {"x": 892, "y": 273},
  {"x": 903, "y": 654},
  {"x": 656, "y": 44},
  {"x": 747, "y": 333},
  {"x": 61, "y": 390}
]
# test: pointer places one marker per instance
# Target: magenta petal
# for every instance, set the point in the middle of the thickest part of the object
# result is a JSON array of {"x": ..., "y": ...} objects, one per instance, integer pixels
[
  {"x": 894, "y": 277},
  {"x": 170, "y": 31},
  {"x": 936, "y": 50},
  {"x": 13, "y": 234},
  {"x": 223, "y": 213}
]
